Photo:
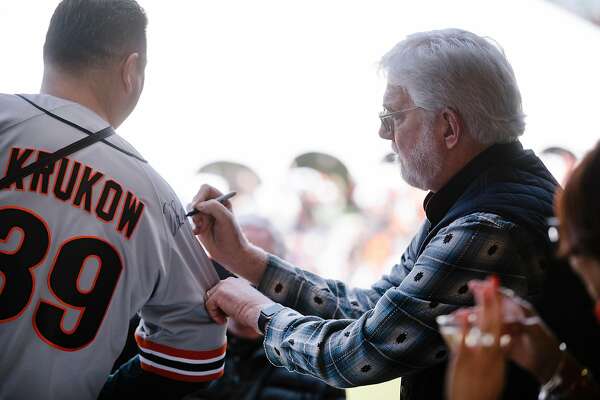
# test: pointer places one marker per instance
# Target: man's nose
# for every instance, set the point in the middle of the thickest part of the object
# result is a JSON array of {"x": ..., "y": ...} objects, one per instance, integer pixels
[{"x": 384, "y": 133}]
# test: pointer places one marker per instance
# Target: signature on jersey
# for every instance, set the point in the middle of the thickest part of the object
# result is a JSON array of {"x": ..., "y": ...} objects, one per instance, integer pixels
[{"x": 175, "y": 215}]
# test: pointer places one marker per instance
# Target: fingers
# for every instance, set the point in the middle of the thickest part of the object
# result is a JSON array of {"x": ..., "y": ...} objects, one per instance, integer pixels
[
  {"x": 205, "y": 193},
  {"x": 514, "y": 328},
  {"x": 227, "y": 205},
  {"x": 526, "y": 307},
  {"x": 215, "y": 313},
  {"x": 210, "y": 208},
  {"x": 219, "y": 316},
  {"x": 489, "y": 311},
  {"x": 492, "y": 310},
  {"x": 212, "y": 306},
  {"x": 214, "y": 209},
  {"x": 235, "y": 298},
  {"x": 463, "y": 319},
  {"x": 477, "y": 288},
  {"x": 211, "y": 212},
  {"x": 202, "y": 223}
]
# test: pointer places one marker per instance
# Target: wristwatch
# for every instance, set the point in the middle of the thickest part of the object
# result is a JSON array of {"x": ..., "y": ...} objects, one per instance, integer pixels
[{"x": 266, "y": 314}]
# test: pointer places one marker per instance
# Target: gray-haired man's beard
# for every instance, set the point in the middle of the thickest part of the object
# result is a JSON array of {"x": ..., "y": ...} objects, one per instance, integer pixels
[
  {"x": 422, "y": 165},
  {"x": 415, "y": 175}
]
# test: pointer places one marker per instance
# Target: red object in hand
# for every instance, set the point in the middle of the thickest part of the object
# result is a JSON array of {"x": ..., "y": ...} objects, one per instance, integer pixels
[{"x": 495, "y": 281}]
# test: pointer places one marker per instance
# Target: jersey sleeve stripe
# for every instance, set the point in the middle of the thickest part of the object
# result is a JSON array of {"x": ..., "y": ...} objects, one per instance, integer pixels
[
  {"x": 183, "y": 355},
  {"x": 195, "y": 366},
  {"x": 179, "y": 375},
  {"x": 181, "y": 359}
]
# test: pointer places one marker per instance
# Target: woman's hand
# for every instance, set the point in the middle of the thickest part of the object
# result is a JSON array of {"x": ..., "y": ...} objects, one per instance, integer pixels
[{"x": 478, "y": 363}]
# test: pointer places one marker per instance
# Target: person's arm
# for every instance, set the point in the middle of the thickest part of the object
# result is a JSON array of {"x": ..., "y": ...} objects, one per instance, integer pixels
[
  {"x": 398, "y": 335},
  {"x": 176, "y": 337},
  {"x": 180, "y": 348},
  {"x": 311, "y": 294},
  {"x": 219, "y": 232}
]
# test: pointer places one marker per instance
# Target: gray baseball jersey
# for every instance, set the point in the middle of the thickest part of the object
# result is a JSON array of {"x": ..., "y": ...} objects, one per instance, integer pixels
[{"x": 85, "y": 244}]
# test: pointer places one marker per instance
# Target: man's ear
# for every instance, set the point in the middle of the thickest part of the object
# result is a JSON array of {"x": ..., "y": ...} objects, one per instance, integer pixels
[
  {"x": 453, "y": 127},
  {"x": 129, "y": 71}
]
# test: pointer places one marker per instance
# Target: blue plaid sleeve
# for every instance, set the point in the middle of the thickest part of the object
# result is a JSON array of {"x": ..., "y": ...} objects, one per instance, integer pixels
[{"x": 364, "y": 336}]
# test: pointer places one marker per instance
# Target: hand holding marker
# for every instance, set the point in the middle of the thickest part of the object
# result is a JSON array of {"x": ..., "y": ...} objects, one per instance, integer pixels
[{"x": 221, "y": 199}]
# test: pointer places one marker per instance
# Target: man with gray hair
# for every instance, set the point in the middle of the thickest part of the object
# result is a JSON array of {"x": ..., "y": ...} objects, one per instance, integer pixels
[{"x": 452, "y": 112}]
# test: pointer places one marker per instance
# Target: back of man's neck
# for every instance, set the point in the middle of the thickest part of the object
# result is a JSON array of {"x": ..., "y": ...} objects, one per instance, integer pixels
[{"x": 73, "y": 89}]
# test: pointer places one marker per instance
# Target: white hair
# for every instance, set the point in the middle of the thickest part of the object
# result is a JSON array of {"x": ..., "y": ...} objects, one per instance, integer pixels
[{"x": 465, "y": 72}]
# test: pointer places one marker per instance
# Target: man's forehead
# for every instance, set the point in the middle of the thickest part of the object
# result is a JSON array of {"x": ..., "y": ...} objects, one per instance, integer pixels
[{"x": 395, "y": 95}]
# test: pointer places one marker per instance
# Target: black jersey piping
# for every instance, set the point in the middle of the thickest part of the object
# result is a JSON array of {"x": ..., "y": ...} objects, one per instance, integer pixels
[{"x": 82, "y": 129}]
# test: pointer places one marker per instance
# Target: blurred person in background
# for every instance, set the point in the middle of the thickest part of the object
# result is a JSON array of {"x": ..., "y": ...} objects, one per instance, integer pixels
[
  {"x": 248, "y": 374},
  {"x": 453, "y": 115},
  {"x": 560, "y": 161},
  {"x": 237, "y": 177},
  {"x": 477, "y": 370},
  {"x": 391, "y": 212},
  {"x": 328, "y": 220}
]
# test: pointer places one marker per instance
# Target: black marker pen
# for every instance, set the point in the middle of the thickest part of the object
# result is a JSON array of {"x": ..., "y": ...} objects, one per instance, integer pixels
[{"x": 221, "y": 199}]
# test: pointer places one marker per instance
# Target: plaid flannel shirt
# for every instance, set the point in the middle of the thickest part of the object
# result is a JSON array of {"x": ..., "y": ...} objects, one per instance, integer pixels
[{"x": 351, "y": 337}]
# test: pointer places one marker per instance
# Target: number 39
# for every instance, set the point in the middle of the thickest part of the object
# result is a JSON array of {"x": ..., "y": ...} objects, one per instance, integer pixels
[{"x": 17, "y": 281}]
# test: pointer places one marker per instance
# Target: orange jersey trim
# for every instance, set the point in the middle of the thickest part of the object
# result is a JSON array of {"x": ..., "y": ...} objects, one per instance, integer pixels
[{"x": 180, "y": 377}]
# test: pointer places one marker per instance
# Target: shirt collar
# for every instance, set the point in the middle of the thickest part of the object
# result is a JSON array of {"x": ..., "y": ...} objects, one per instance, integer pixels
[{"x": 437, "y": 204}]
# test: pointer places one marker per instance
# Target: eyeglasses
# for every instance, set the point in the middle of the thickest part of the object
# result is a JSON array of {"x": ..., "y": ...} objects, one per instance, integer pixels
[{"x": 387, "y": 118}]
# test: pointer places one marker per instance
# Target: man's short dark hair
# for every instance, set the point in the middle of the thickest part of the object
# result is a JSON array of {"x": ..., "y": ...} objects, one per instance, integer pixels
[{"x": 93, "y": 33}]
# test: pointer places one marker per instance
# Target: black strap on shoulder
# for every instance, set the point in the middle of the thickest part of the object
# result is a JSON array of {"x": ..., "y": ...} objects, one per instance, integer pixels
[
  {"x": 81, "y": 128},
  {"x": 60, "y": 153}
]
